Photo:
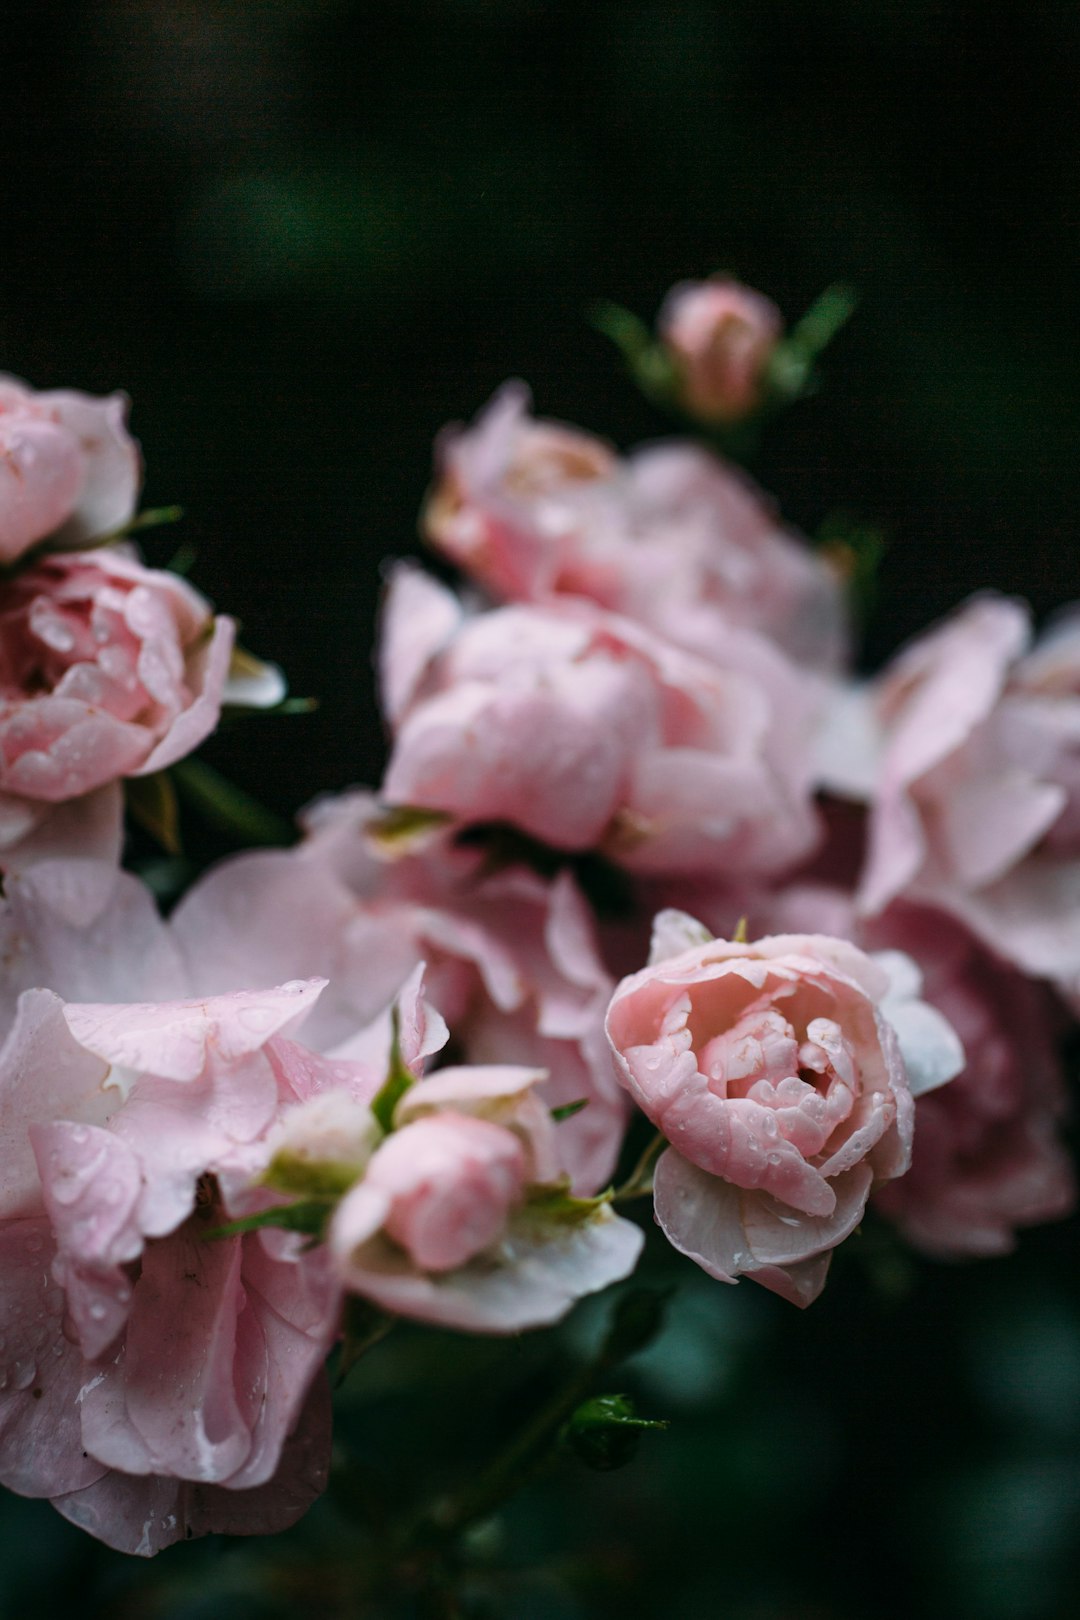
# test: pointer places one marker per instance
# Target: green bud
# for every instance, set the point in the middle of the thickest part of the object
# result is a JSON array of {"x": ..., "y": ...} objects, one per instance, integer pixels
[{"x": 603, "y": 1432}]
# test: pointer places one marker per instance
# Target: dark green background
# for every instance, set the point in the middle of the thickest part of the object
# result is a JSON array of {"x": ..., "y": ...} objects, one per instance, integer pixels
[{"x": 304, "y": 233}]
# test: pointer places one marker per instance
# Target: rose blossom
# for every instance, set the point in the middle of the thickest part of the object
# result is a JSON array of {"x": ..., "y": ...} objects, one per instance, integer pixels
[
  {"x": 150, "y": 1370},
  {"x": 107, "y": 669},
  {"x": 774, "y": 1070},
  {"x": 670, "y": 535},
  {"x": 452, "y": 1205},
  {"x": 988, "y": 1156},
  {"x": 67, "y": 467},
  {"x": 721, "y": 337},
  {"x": 587, "y": 731},
  {"x": 512, "y": 962},
  {"x": 460, "y": 1217},
  {"x": 968, "y": 748}
]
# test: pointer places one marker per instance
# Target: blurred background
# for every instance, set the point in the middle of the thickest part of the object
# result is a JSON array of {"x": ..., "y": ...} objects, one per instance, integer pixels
[{"x": 303, "y": 234}]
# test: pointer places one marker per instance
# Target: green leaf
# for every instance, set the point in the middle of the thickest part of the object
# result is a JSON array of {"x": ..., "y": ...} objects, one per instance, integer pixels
[
  {"x": 151, "y": 801},
  {"x": 398, "y": 1079},
  {"x": 568, "y": 1110}
]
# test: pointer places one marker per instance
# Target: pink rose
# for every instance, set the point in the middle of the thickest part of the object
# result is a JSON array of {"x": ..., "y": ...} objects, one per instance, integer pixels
[
  {"x": 441, "y": 1188},
  {"x": 587, "y": 731},
  {"x": 670, "y": 535},
  {"x": 775, "y": 1072},
  {"x": 511, "y": 959},
  {"x": 68, "y": 467},
  {"x": 459, "y": 1217},
  {"x": 721, "y": 337},
  {"x": 968, "y": 748},
  {"x": 988, "y": 1156},
  {"x": 154, "y": 1384},
  {"x": 107, "y": 669}
]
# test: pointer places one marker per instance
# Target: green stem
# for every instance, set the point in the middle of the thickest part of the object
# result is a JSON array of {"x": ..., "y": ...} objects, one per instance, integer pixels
[
  {"x": 527, "y": 1451},
  {"x": 639, "y": 1183},
  {"x": 228, "y": 807}
]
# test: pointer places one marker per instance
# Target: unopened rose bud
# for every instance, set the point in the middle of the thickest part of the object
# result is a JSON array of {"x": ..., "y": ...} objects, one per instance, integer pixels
[
  {"x": 720, "y": 336},
  {"x": 604, "y": 1432}
]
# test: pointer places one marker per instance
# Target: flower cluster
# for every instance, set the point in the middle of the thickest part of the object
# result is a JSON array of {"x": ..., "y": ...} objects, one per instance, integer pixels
[{"x": 650, "y": 877}]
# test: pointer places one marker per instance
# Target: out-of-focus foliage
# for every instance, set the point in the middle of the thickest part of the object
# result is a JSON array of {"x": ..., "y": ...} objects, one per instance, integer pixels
[{"x": 303, "y": 234}]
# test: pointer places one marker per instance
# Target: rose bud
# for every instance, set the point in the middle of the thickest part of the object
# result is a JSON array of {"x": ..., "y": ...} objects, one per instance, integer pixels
[{"x": 720, "y": 336}]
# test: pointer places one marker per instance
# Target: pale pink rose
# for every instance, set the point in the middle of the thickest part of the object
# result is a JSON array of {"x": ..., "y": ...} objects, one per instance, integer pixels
[
  {"x": 670, "y": 535},
  {"x": 774, "y": 1070},
  {"x": 68, "y": 467},
  {"x": 512, "y": 961},
  {"x": 107, "y": 669},
  {"x": 460, "y": 1218},
  {"x": 721, "y": 336},
  {"x": 968, "y": 748},
  {"x": 587, "y": 731},
  {"x": 988, "y": 1156},
  {"x": 444, "y": 1186},
  {"x": 156, "y": 1384}
]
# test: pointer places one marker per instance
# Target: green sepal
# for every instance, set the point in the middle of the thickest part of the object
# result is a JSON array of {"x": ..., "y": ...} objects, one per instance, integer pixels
[
  {"x": 790, "y": 372},
  {"x": 151, "y": 801},
  {"x": 400, "y": 828},
  {"x": 327, "y": 1179},
  {"x": 648, "y": 361},
  {"x": 399, "y": 1078},
  {"x": 555, "y": 1202},
  {"x": 295, "y": 705},
  {"x": 155, "y": 517},
  {"x": 856, "y": 549},
  {"x": 568, "y": 1110},
  {"x": 228, "y": 807},
  {"x": 308, "y": 1215}
]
